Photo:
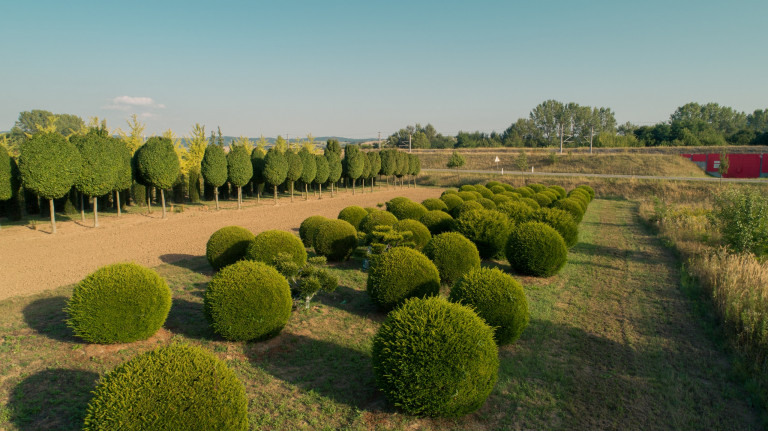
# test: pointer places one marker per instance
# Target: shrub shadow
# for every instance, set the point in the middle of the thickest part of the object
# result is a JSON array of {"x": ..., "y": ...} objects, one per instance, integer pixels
[
  {"x": 54, "y": 399},
  {"x": 187, "y": 261},
  {"x": 46, "y": 316},
  {"x": 187, "y": 318},
  {"x": 353, "y": 301}
]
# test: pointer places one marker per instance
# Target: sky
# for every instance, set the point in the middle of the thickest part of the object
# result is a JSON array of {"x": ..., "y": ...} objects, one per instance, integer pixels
[{"x": 356, "y": 68}]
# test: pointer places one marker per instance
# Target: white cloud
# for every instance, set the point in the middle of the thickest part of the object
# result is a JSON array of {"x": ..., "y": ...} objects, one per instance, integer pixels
[{"x": 128, "y": 103}]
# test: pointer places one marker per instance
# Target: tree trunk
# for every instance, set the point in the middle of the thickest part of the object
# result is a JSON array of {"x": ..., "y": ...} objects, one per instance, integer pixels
[
  {"x": 216, "y": 196},
  {"x": 353, "y": 187},
  {"x": 239, "y": 197},
  {"x": 117, "y": 200},
  {"x": 149, "y": 200},
  {"x": 275, "y": 189},
  {"x": 320, "y": 187},
  {"x": 53, "y": 216},
  {"x": 95, "y": 211},
  {"x": 306, "y": 192},
  {"x": 82, "y": 208},
  {"x": 291, "y": 191},
  {"x": 162, "y": 198},
  {"x": 371, "y": 185}
]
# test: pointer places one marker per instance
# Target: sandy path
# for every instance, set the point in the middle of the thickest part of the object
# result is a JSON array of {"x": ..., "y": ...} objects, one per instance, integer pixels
[{"x": 34, "y": 261}]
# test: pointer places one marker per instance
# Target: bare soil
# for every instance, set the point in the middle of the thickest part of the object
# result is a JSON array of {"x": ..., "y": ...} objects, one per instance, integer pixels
[{"x": 32, "y": 261}]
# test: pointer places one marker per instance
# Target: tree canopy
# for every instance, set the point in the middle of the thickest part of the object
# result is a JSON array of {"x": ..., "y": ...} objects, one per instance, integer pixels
[
  {"x": 239, "y": 167},
  {"x": 49, "y": 165},
  {"x": 214, "y": 166},
  {"x": 158, "y": 162}
]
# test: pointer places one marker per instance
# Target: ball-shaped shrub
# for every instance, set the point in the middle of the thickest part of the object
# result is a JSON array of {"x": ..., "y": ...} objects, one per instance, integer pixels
[
  {"x": 453, "y": 255},
  {"x": 353, "y": 214},
  {"x": 488, "y": 229},
  {"x": 535, "y": 248},
  {"x": 542, "y": 199},
  {"x": 401, "y": 273},
  {"x": 335, "y": 239},
  {"x": 477, "y": 195},
  {"x": 377, "y": 218},
  {"x": 452, "y": 201},
  {"x": 433, "y": 204},
  {"x": 562, "y": 221},
  {"x": 485, "y": 192},
  {"x": 370, "y": 209},
  {"x": 508, "y": 187},
  {"x": 491, "y": 184},
  {"x": 227, "y": 245},
  {"x": 525, "y": 192},
  {"x": 500, "y": 199},
  {"x": 467, "y": 196},
  {"x": 531, "y": 203},
  {"x": 248, "y": 300},
  {"x": 407, "y": 209},
  {"x": 551, "y": 194},
  {"x": 571, "y": 206},
  {"x": 498, "y": 189},
  {"x": 268, "y": 244},
  {"x": 487, "y": 203},
  {"x": 436, "y": 358},
  {"x": 449, "y": 192},
  {"x": 496, "y": 297},
  {"x": 174, "y": 387},
  {"x": 518, "y": 212},
  {"x": 421, "y": 234},
  {"x": 467, "y": 188},
  {"x": 437, "y": 222},
  {"x": 559, "y": 190},
  {"x": 588, "y": 189},
  {"x": 581, "y": 197},
  {"x": 308, "y": 229},
  {"x": 536, "y": 187},
  {"x": 513, "y": 195},
  {"x": 119, "y": 303},
  {"x": 466, "y": 206}
]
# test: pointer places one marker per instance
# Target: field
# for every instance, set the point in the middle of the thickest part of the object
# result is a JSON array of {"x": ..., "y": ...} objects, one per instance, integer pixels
[{"x": 615, "y": 342}]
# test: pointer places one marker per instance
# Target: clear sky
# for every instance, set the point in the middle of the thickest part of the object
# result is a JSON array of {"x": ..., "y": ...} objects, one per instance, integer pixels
[{"x": 354, "y": 68}]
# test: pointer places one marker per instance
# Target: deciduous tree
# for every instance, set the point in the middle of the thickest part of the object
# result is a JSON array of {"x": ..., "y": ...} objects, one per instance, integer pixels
[{"x": 214, "y": 168}]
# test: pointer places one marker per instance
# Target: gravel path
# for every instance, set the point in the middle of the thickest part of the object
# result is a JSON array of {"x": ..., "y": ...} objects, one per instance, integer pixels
[{"x": 34, "y": 261}]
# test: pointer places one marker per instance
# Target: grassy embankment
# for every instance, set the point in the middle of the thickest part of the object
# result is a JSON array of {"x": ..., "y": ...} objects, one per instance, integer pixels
[{"x": 613, "y": 344}]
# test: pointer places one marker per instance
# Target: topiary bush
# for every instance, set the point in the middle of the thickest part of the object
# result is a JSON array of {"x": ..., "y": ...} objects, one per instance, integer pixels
[
  {"x": 437, "y": 222},
  {"x": 484, "y": 192},
  {"x": 513, "y": 195},
  {"x": 466, "y": 206},
  {"x": 436, "y": 358},
  {"x": 308, "y": 229},
  {"x": 227, "y": 245},
  {"x": 335, "y": 239},
  {"x": 496, "y": 297},
  {"x": 535, "y": 248},
  {"x": 588, "y": 189},
  {"x": 488, "y": 229},
  {"x": 406, "y": 209},
  {"x": 119, "y": 303},
  {"x": 492, "y": 184},
  {"x": 467, "y": 196},
  {"x": 508, "y": 187},
  {"x": 551, "y": 194},
  {"x": 453, "y": 255},
  {"x": 487, "y": 203},
  {"x": 377, "y": 218},
  {"x": 518, "y": 212},
  {"x": 525, "y": 192},
  {"x": 500, "y": 199},
  {"x": 572, "y": 206},
  {"x": 268, "y": 244},
  {"x": 531, "y": 203},
  {"x": 536, "y": 187},
  {"x": 477, "y": 195},
  {"x": 197, "y": 391},
  {"x": 449, "y": 192},
  {"x": 248, "y": 300},
  {"x": 562, "y": 221},
  {"x": 433, "y": 204},
  {"x": 497, "y": 189},
  {"x": 467, "y": 188},
  {"x": 559, "y": 190},
  {"x": 421, "y": 234},
  {"x": 401, "y": 273},
  {"x": 542, "y": 199},
  {"x": 451, "y": 201},
  {"x": 353, "y": 214}
]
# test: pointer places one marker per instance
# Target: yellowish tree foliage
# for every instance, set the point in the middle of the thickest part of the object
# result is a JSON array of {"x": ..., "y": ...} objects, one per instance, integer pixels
[
  {"x": 281, "y": 145},
  {"x": 135, "y": 138},
  {"x": 196, "y": 150},
  {"x": 243, "y": 142}
]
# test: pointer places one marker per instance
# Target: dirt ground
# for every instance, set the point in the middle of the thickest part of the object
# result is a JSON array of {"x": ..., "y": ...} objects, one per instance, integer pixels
[{"x": 33, "y": 261}]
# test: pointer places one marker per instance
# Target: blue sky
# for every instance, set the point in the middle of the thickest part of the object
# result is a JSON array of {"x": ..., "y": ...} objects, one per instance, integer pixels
[{"x": 356, "y": 68}]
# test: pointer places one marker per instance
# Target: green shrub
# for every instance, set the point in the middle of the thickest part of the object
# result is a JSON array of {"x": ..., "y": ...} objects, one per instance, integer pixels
[
  {"x": 467, "y": 188},
  {"x": 559, "y": 190},
  {"x": 500, "y": 199},
  {"x": 508, "y": 187},
  {"x": 498, "y": 189},
  {"x": 562, "y": 221},
  {"x": 551, "y": 194},
  {"x": 308, "y": 229},
  {"x": 477, "y": 195},
  {"x": 518, "y": 212},
  {"x": 335, "y": 239},
  {"x": 433, "y": 204},
  {"x": 369, "y": 210},
  {"x": 485, "y": 192},
  {"x": 353, "y": 214},
  {"x": 467, "y": 196},
  {"x": 268, "y": 244},
  {"x": 580, "y": 195},
  {"x": 421, "y": 234},
  {"x": 488, "y": 229},
  {"x": 531, "y": 203},
  {"x": 437, "y": 222},
  {"x": 227, "y": 245},
  {"x": 496, "y": 297},
  {"x": 525, "y": 192},
  {"x": 742, "y": 217},
  {"x": 453, "y": 255},
  {"x": 119, "y": 303},
  {"x": 435, "y": 358},
  {"x": 377, "y": 218},
  {"x": 406, "y": 209},
  {"x": 449, "y": 192},
  {"x": 399, "y": 274},
  {"x": 466, "y": 206},
  {"x": 174, "y": 387},
  {"x": 513, "y": 195},
  {"x": 572, "y": 206},
  {"x": 535, "y": 248},
  {"x": 452, "y": 201},
  {"x": 487, "y": 203},
  {"x": 589, "y": 190},
  {"x": 542, "y": 199},
  {"x": 248, "y": 300},
  {"x": 537, "y": 187},
  {"x": 491, "y": 184}
]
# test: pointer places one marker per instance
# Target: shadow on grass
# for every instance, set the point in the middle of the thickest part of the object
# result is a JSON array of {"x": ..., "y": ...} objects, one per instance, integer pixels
[
  {"x": 46, "y": 316},
  {"x": 188, "y": 261},
  {"x": 188, "y": 319},
  {"x": 339, "y": 373},
  {"x": 353, "y": 301},
  {"x": 53, "y": 399}
]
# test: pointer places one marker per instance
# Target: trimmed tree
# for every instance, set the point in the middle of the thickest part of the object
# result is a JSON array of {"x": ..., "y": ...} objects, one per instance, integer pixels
[
  {"x": 257, "y": 160},
  {"x": 124, "y": 177},
  {"x": 388, "y": 163},
  {"x": 353, "y": 161},
  {"x": 9, "y": 175},
  {"x": 275, "y": 168},
  {"x": 159, "y": 165},
  {"x": 455, "y": 162},
  {"x": 414, "y": 167},
  {"x": 375, "y": 160},
  {"x": 49, "y": 166},
  {"x": 308, "y": 169},
  {"x": 322, "y": 173},
  {"x": 98, "y": 173},
  {"x": 366, "y": 169},
  {"x": 333, "y": 146},
  {"x": 402, "y": 166},
  {"x": 239, "y": 170},
  {"x": 294, "y": 168},
  {"x": 214, "y": 169},
  {"x": 334, "y": 169}
]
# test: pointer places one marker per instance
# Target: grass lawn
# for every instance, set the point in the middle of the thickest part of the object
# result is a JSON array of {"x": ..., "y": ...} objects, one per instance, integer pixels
[{"x": 613, "y": 343}]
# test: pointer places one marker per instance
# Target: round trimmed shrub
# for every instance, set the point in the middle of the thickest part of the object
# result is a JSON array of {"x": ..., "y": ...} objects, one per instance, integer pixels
[
  {"x": 406, "y": 209},
  {"x": 477, "y": 195},
  {"x": 492, "y": 184},
  {"x": 488, "y": 229},
  {"x": 588, "y": 189},
  {"x": 452, "y": 201},
  {"x": 466, "y": 206},
  {"x": 377, "y": 218},
  {"x": 467, "y": 188},
  {"x": 508, "y": 187},
  {"x": 421, "y": 234},
  {"x": 436, "y": 358},
  {"x": 467, "y": 196},
  {"x": 518, "y": 212},
  {"x": 248, "y": 300},
  {"x": 542, "y": 199},
  {"x": 582, "y": 198},
  {"x": 433, "y": 204},
  {"x": 571, "y": 206},
  {"x": 559, "y": 190},
  {"x": 197, "y": 391},
  {"x": 562, "y": 221},
  {"x": 537, "y": 187},
  {"x": 531, "y": 203},
  {"x": 308, "y": 229},
  {"x": 487, "y": 203},
  {"x": 453, "y": 255},
  {"x": 497, "y": 189},
  {"x": 353, "y": 214},
  {"x": 551, "y": 194},
  {"x": 268, "y": 244},
  {"x": 449, "y": 192},
  {"x": 369, "y": 210},
  {"x": 119, "y": 303},
  {"x": 227, "y": 245},
  {"x": 397, "y": 200},
  {"x": 525, "y": 192},
  {"x": 496, "y": 297},
  {"x": 401, "y": 273},
  {"x": 535, "y": 248},
  {"x": 335, "y": 239},
  {"x": 500, "y": 199},
  {"x": 437, "y": 222},
  {"x": 485, "y": 192},
  {"x": 513, "y": 195}
]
